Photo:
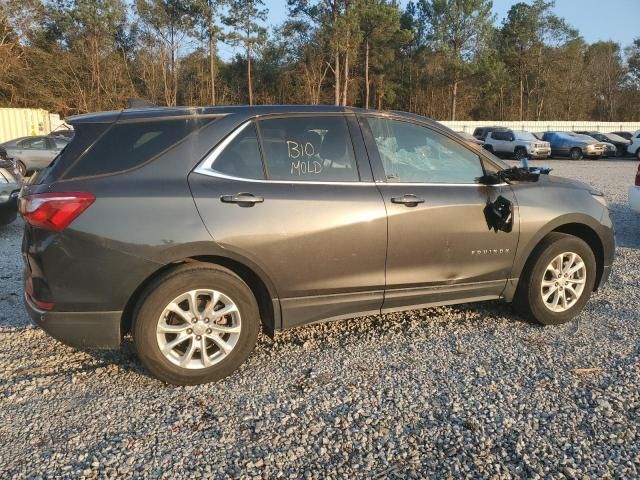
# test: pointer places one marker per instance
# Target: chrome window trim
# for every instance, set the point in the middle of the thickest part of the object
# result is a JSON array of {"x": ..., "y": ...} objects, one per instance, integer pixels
[{"x": 205, "y": 167}]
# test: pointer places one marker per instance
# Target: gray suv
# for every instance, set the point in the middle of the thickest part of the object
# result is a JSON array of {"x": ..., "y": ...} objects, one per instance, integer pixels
[
  {"x": 516, "y": 144},
  {"x": 193, "y": 228}
]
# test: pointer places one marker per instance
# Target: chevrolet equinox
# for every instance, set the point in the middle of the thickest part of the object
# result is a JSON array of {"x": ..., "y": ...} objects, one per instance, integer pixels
[{"x": 193, "y": 228}]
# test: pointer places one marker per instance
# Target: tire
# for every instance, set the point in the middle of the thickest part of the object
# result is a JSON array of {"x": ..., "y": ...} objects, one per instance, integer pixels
[
  {"x": 152, "y": 308},
  {"x": 619, "y": 151},
  {"x": 488, "y": 148},
  {"x": 575, "y": 154},
  {"x": 638, "y": 154},
  {"x": 528, "y": 300},
  {"x": 519, "y": 153},
  {"x": 22, "y": 168}
]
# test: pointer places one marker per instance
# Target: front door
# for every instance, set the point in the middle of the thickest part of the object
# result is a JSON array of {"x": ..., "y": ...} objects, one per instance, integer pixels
[
  {"x": 441, "y": 248},
  {"x": 310, "y": 216}
]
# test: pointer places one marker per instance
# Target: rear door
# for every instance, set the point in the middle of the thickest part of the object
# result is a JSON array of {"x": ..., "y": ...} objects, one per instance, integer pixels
[
  {"x": 440, "y": 246},
  {"x": 34, "y": 152},
  {"x": 309, "y": 215},
  {"x": 501, "y": 141}
]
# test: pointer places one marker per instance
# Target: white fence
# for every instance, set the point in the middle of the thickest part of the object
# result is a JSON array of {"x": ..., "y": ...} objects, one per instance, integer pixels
[{"x": 470, "y": 125}]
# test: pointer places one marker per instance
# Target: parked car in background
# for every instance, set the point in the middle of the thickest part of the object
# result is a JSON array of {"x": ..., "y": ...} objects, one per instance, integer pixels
[
  {"x": 516, "y": 144},
  {"x": 481, "y": 132},
  {"x": 471, "y": 139},
  {"x": 616, "y": 145},
  {"x": 634, "y": 146},
  {"x": 624, "y": 134},
  {"x": 573, "y": 145},
  {"x": 195, "y": 228},
  {"x": 34, "y": 153},
  {"x": 634, "y": 193},
  {"x": 10, "y": 183}
]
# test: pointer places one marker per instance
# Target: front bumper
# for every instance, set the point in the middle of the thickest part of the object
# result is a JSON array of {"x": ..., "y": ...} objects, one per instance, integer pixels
[
  {"x": 540, "y": 152},
  {"x": 78, "y": 329}
]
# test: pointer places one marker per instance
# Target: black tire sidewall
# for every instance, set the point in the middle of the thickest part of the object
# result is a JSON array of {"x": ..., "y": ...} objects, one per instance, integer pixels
[
  {"x": 158, "y": 297},
  {"x": 558, "y": 245},
  {"x": 576, "y": 157}
]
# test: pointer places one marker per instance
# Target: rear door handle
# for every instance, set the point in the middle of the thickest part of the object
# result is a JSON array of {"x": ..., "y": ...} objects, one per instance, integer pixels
[
  {"x": 408, "y": 199},
  {"x": 242, "y": 199}
]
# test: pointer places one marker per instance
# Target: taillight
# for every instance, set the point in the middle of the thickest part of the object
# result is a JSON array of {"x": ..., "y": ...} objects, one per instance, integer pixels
[
  {"x": 638, "y": 177},
  {"x": 54, "y": 211}
]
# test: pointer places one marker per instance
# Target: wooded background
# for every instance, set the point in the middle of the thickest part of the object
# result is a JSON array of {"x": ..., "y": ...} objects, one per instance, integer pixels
[{"x": 446, "y": 59}]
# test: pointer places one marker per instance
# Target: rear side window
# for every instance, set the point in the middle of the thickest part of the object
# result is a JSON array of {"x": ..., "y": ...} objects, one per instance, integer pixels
[
  {"x": 241, "y": 158},
  {"x": 501, "y": 135},
  {"x": 307, "y": 149},
  {"x": 128, "y": 145},
  {"x": 36, "y": 143}
]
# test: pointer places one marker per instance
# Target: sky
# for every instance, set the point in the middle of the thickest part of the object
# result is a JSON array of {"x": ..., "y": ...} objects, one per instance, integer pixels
[{"x": 617, "y": 20}]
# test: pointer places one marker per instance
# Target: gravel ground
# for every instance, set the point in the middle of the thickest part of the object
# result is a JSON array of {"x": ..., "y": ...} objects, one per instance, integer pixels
[{"x": 470, "y": 391}]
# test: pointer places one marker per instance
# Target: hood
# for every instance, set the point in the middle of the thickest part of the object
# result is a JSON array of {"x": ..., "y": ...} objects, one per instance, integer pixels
[{"x": 564, "y": 182}]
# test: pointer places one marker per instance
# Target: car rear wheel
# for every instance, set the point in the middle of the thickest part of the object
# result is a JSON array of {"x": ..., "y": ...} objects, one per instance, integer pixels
[
  {"x": 557, "y": 281},
  {"x": 575, "y": 154},
  {"x": 22, "y": 168},
  {"x": 195, "y": 325}
]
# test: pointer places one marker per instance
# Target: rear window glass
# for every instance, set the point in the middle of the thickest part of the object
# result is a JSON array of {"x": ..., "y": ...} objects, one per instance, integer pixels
[{"x": 128, "y": 145}]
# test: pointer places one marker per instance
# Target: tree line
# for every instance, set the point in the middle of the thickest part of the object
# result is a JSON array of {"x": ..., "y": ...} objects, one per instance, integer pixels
[{"x": 446, "y": 59}]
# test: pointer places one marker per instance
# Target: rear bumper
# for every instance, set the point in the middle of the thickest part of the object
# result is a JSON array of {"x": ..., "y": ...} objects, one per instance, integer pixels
[
  {"x": 634, "y": 198},
  {"x": 79, "y": 329},
  {"x": 9, "y": 209}
]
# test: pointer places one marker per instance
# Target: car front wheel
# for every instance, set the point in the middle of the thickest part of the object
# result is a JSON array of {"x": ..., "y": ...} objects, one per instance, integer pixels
[
  {"x": 520, "y": 153},
  {"x": 557, "y": 281},
  {"x": 575, "y": 154},
  {"x": 195, "y": 325}
]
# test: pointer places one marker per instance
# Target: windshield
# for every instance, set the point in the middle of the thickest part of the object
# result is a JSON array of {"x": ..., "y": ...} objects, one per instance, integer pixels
[
  {"x": 585, "y": 138},
  {"x": 615, "y": 138},
  {"x": 522, "y": 135}
]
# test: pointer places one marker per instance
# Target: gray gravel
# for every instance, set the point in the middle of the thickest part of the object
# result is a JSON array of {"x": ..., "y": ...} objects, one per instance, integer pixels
[{"x": 470, "y": 391}]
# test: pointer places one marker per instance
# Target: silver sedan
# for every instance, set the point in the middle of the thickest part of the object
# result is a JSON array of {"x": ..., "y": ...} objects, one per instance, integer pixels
[{"x": 33, "y": 153}]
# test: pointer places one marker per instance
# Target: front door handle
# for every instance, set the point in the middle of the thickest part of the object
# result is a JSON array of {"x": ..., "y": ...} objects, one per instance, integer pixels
[
  {"x": 242, "y": 199},
  {"x": 408, "y": 199}
]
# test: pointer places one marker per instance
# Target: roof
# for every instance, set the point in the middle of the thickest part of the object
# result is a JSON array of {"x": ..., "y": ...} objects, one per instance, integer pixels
[
  {"x": 155, "y": 112},
  {"x": 243, "y": 110}
]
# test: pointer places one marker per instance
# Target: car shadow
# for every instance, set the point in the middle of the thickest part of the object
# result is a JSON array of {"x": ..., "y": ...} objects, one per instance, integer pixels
[{"x": 627, "y": 224}]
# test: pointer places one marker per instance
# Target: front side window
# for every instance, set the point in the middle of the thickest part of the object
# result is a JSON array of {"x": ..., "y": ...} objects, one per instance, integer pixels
[
  {"x": 416, "y": 154},
  {"x": 316, "y": 148}
]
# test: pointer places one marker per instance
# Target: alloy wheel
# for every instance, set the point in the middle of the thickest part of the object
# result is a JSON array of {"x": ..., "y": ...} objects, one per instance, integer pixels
[
  {"x": 563, "y": 282},
  {"x": 198, "y": 329}
]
